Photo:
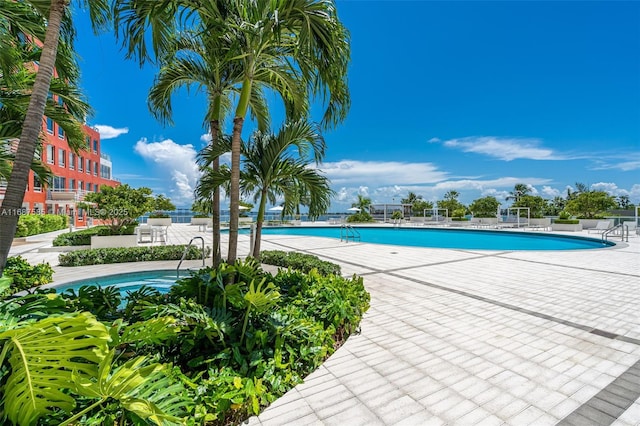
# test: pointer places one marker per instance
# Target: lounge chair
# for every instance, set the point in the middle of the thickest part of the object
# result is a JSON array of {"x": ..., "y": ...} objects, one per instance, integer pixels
[{"x": 600, "y": 227}]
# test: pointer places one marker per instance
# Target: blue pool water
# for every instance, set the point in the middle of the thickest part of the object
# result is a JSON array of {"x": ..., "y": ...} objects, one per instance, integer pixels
[
  {"x": 451, "y": 238},
  {"x": 160, "y": 280}
]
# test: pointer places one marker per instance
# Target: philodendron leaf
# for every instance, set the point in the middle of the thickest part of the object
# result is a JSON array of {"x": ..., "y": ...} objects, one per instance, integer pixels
[
  {"x": 140, "y": 387},
  {"x": 43, "y": 356}
]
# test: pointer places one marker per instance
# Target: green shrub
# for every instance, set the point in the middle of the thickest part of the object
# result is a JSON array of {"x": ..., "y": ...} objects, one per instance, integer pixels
[
  {"x": 360, "y": 217},
  {"x": 26, "y": 276},
  {"x": 83, "y": 237},
  {"x": 567, "y": 221},
  {"x": 159, "y": 215},
  {"x": 33, "y": 224},
  {"x": 78, "y": 238},
  {"x": 129, "y": 254},
  {"x": 459, "y": 219},
  {"x": 564, "y": 215},
  {"x": 298, "y": 261},
  {"x": 259, "y": 336}
]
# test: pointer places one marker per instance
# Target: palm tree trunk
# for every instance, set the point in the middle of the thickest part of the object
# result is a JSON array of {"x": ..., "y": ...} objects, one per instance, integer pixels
[
  {"x": 216, "y": 256},
  {"x": 259, "y": 223},
  {"x": 236, "y": 142},
  {"x": 29, "y": 140},
  {"x": 234, "y": 196}
]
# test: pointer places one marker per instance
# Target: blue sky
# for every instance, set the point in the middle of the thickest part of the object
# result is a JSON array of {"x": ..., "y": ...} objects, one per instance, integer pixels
[{"x": 468, "y": 96}]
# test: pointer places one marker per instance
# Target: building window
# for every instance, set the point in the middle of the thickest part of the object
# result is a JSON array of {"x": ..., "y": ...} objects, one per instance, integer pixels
[
  {"x": 49, "y": 125},
  {"x": 51, "y": 154},
  {"x": 88, "y": 139},
  {"x": 95, "y": 145},
  {"x": 72, "y": 161},
  {"x": 37, "y": 185},
  {"x": 59, "y": 183},
  {"x": 95, "y": 187},
  {"x": 95, "y": 168},
  {"x": 88, "y": 168},
  {"x": 62, "y": 157},
  {"x": 105, "y": 171},
  {"x": 60, "y": 132},
  {"x": 80, "y": 163}
]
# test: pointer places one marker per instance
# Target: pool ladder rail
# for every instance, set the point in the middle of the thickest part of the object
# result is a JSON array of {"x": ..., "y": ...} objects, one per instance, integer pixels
[
  {"x": 186, "y": 250},
  {"x": 348, "y": 232},
  {"x": 614, "y": 230}
]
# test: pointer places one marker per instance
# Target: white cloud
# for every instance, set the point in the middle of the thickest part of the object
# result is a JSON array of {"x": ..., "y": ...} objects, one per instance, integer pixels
[
  {"x": 176, "y": 161},
  {"x": 506, "y": 149},
  {"x": 549, "y": 192},
  {"x": 109, "y": 132},
  {"x": 632, "y": 162},
  {"x": 206, "y": 138},
  {"x": 380, "y": 172}
]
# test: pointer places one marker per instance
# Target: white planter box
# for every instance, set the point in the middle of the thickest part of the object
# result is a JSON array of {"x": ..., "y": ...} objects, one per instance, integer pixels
[
  {"x": 111, "y": 241},
  {"x": 566, "y": 227},
  {"x": 542, "y": 222},
  {"x": 159, "y": 221},
  {"x": 202, "y": 221}
]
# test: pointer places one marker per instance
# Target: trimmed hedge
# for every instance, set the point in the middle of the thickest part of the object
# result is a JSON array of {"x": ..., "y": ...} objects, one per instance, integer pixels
[
  {"x": 567, "y": 221},
  {"x": 129, "y": 254},
  {"x": 83, "y": 237},
  {"x": 298, "y": 261},
  {"x": 33, "y": 224}
]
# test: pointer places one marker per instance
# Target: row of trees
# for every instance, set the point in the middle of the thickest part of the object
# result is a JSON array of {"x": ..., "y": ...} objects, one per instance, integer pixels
[
  {"x": 582, "y": 202},
  {"x": 232, "y": 50}
]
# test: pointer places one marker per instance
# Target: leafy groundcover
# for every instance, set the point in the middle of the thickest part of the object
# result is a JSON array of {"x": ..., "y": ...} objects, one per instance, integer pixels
[{"x": 221, "y": 346}]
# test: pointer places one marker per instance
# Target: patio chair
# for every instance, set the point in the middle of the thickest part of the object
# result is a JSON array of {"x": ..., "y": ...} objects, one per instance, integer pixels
[
  {"x": 144, "y": 231},
  {"x": 600, "y": 227}
]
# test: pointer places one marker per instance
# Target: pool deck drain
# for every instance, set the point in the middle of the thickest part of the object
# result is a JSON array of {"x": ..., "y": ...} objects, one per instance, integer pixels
[{"x": 466, "y": 336}]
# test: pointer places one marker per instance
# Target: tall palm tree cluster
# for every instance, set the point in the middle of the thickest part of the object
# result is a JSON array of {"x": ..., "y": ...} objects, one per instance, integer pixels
[{"x": 235, "y": 52}]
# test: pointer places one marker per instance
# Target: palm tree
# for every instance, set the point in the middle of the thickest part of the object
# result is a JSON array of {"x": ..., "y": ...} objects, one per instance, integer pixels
[
  {"x": 302, "y": 36},
  {"x": 363, "y": 203},
  {"x": 277, "y": 165},
  {"x": 271, "y": 169},
  {"x": 58, "y": 17},
  {"x": 196, "y": 58},
  {"x": 279, "y": 43},
  {"x": 519, "y": 190}
]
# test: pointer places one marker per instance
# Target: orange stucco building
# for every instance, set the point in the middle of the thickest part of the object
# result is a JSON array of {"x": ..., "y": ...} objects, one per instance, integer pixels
[{"x": 74, "y": 175}]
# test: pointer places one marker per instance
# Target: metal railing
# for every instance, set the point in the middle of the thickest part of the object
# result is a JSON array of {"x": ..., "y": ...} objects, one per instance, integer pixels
[
  {"x": 348, "y": 231},
  {"x": 186, "y": 250},
  {"x": 613, "y": 230}
]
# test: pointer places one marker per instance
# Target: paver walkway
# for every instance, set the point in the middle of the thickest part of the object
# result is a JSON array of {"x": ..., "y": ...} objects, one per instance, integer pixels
[
  {"x": 471, "y": 337},
  {"x": 479, "y": 337}
]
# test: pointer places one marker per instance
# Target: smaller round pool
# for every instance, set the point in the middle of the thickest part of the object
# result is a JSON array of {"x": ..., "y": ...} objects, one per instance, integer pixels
[{"x": 160, "y": 280}]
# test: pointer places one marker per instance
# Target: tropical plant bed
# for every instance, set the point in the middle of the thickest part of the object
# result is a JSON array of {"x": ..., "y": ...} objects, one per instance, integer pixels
[{"x": 221, "y": 346}]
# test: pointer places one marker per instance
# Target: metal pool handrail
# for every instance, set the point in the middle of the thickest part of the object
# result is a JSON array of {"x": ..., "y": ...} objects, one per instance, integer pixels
[
  {"x": 610, "y": 230},
  {"x": 347, "y": 231},
  {"x": 184, "y": 254}
]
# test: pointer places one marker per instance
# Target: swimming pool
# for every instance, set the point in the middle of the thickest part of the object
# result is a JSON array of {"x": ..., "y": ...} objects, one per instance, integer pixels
[
  {"x": 161, "y": 280},
  {"x": 450, "y": 238}
]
